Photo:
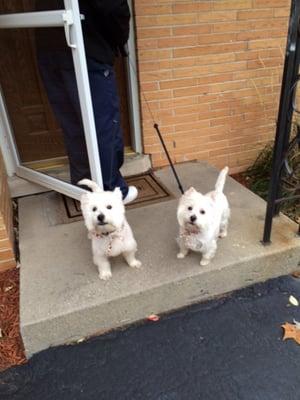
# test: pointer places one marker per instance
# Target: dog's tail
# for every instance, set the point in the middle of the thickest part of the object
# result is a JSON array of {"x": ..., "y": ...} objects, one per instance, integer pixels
[
  {"x": 221, "y": 180},
  {"x": 92, "y": 185}
]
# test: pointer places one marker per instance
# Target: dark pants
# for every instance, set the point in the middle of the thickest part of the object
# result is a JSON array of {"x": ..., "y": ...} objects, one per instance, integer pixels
[{"x": 58, "y": 75}]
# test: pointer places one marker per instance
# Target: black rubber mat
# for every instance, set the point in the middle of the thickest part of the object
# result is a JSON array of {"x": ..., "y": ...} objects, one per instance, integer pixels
[{"x": 226, "y": 349}]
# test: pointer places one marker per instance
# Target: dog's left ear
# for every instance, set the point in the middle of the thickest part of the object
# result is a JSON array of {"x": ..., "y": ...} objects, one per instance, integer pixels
[
  {"x": 117, "y": 192},
  {"x": 189, "y": 191}
]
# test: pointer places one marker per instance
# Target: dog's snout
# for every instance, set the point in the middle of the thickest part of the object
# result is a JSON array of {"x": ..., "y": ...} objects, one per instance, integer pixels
[
  {"x": 101, "y": 217},
  {"x": 193, "y": 218}
]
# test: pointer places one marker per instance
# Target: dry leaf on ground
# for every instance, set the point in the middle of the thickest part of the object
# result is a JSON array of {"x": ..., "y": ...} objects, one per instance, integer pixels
[
  {"x": 293, "y": 301},
  {"x": 291, "y": 331},
  {"x": 153, "y": 317}
]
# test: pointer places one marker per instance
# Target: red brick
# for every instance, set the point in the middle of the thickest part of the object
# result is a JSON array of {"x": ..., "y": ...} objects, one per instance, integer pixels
[
  {"x": 218, "y": 16},
  {"x": 178, "y": 42},
  {"x": 232, "y": 4},
  {"x": 141, "y": 9},
  {"x": 202, "y": 50},
  {"x": 270, "y": 3},
  {"x": 192, "y": 7},
  {"x": 154, "y": 33},
  {"x": 191, "y": 30}
]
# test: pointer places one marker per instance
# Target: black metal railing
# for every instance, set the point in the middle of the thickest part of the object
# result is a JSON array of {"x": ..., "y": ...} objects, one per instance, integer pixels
[{"x": 285, "y": 143}]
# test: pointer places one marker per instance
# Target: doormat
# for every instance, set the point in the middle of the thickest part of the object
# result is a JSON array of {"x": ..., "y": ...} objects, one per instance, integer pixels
[{"x": 151, "y": 191}]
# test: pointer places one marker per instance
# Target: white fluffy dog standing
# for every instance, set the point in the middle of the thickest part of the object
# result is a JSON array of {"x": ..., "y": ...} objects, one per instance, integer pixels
[
  {"x": 111, "y": 235},
  {"x": 202, "y": 220}
]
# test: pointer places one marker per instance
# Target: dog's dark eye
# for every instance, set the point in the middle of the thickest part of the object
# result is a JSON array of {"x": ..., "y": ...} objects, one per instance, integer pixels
[
  {"x": 94, "y": 209},
  {"x": 202, "y": 211},
  {"x": 109, "y": 207},
  {"x": 190, "y": 208}
]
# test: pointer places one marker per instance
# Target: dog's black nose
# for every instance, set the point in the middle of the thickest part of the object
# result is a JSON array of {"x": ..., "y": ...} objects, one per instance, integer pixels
[
  {"x": 101, "y": 217},
  {"x": 193, "y": 218}
]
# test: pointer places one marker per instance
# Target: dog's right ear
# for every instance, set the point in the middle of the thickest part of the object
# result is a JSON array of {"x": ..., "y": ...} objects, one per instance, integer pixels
[
  {"x": 118, "y": 193},
  {"x": 90, "y": 184}
]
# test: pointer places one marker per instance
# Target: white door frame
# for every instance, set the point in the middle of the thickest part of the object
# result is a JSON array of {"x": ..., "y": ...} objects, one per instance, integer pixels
[{"x": 69, "y": 19}]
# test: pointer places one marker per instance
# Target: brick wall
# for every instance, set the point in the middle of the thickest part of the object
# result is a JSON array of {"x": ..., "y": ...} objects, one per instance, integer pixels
[
  {"x": 211, "y": 72},
  {"x": 7, "y": 259}
]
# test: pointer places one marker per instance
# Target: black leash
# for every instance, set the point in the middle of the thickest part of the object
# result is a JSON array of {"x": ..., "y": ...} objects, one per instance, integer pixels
[
  {"x": 158, "y": 132},
  {"x": 168, "y": 157}
]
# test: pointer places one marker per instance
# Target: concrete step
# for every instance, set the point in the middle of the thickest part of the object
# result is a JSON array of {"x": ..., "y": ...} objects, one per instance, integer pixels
[{"x": 62, "y": 298}]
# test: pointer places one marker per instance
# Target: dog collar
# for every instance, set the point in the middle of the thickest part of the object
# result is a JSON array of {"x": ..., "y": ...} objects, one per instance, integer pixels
[
  {"x": 117, "y": 234},
  {"x": 99, "y": 235},
  {"x": 191, "y": 240},
  {"x": 188, "y": 232}
]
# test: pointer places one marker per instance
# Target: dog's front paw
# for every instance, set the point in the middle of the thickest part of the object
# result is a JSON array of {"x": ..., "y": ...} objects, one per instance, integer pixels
[
  {"x": 105, "y": 275},
  {"x": 204, "y": 261},
  {"x": 135, "y": 264},
  {"x": 180, "y": 255}
]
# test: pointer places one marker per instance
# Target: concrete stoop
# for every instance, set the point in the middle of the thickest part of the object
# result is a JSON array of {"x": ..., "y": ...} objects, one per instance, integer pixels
[{"x": 63, "y": 300}]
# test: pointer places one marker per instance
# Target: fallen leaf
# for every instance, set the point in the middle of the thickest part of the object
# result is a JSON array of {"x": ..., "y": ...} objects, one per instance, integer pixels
[
  {"x": 291, "y": 331},
  {"x": 296, "y": 274},
  {"x": 8, "y": 288},
  {"x": 153, "y": 317},
  {"x": 80, "y": 340},
  {"x": 293, "y": 301},
  {"x": 1, "y": 334}
]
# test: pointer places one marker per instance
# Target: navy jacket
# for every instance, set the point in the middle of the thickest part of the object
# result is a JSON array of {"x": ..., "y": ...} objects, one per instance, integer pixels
[{"x": 105, "y": 28}]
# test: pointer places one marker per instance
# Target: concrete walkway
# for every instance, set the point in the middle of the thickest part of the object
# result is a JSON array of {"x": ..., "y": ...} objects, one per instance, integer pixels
[{"x": 62, "y": 298}]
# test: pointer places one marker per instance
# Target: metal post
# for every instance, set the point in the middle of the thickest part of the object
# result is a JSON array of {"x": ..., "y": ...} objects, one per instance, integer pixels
[{"x": 285, "y": 112}]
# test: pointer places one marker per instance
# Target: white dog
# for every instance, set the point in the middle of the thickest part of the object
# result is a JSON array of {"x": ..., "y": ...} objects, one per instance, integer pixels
[
  {"x": 202, "y": 219},
  {"x": 111, "y": 235}
]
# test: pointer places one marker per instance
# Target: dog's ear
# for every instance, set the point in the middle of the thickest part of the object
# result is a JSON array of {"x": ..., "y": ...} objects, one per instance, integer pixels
[
  {"x": 118, "y": 193},
  {"x": 190, "y": 191},
  {"x": 90, "y": 184}
]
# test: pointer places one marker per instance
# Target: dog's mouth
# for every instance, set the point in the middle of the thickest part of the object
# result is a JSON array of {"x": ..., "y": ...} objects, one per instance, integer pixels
[
  {"x": 193, "y": 227},
  {"x": 104, "y": 227},
  {"x": 190, "y": 223}
]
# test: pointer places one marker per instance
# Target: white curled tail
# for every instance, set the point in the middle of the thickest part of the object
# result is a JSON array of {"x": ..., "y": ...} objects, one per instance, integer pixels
[
  {"x": 92, "y": 185},
  {"x": 221, "y": 180}
]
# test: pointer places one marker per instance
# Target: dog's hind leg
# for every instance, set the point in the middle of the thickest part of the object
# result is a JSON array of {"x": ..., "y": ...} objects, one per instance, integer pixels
[
  {"x": 104, "y": 268},
  {"x": 131, "y": 260},
  {"x": 224, "y": 224}
]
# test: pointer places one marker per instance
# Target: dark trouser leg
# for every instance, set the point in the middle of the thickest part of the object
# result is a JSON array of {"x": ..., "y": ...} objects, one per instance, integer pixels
[
  {"x": 108, "y": 126},
  {"x": 58, "y": 76}
]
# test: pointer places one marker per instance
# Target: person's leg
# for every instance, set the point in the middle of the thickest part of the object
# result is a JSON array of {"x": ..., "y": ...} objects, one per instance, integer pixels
[
  {"x": 57, "y": 72},
  {"x": 58, "y": 75},
  {"x": 107, "y": 119}
]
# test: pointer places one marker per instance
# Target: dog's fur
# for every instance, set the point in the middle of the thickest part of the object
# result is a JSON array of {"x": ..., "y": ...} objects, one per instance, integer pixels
[
  {"x": 202, "y": 219},
  {"x": 111, "y": 235}
]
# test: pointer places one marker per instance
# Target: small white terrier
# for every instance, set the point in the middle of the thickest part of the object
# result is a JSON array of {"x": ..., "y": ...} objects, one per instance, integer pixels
[
  {"x": 111, "y": 235},
  {"x": 202, "y": 219}
]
